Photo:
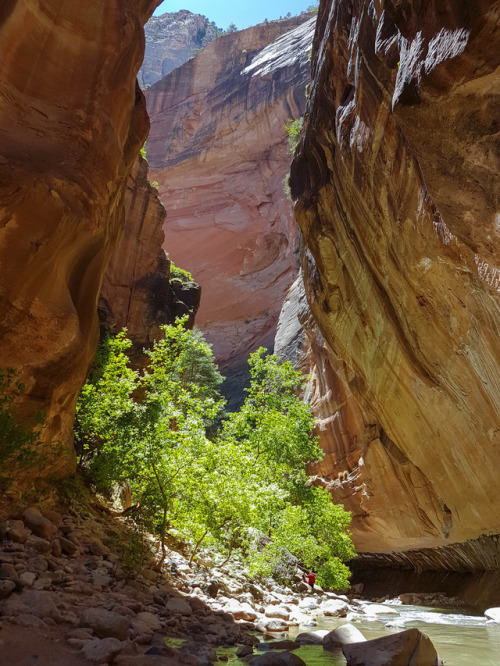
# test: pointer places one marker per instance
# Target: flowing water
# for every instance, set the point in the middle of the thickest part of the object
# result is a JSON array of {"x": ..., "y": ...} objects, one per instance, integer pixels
[{"x": 460, "y": 640}]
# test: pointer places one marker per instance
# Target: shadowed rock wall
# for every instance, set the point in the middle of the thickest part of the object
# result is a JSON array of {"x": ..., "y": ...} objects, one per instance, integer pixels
[
  {"x": 72, "y": 121},
  {"x": 397, "y": 187},
  {"x": 136, "y": 290}
]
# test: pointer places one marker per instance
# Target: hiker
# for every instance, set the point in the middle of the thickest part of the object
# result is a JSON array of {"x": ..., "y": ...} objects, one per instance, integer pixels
[{"x": 310, "y": 579}]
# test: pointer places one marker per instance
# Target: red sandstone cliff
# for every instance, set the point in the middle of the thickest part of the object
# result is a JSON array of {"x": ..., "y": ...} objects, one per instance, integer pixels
[
  {"x": 72, "y": 122},
  {"x": 398, "y": 202},
  {"x": 219, "y": 150}
]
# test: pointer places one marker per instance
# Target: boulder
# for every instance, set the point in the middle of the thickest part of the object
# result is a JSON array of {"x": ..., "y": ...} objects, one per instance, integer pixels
[
  {"x": 178, "y": 605},
  {"x": 493, "y": 613},
  {"x": 105, "y": 624},
  {"x": 18, "y": 534},
  {"x": 342, "y": 635},
  {"x": 38, "y": 524},
  {"x": 277, "y": 611},
  {"x": 102, "y": 651},
  {"x": 241, "y": 611},
  {"x": 271, "y": 624},
  {"x": 334, "y": 608},
  {"x": 311, "y": 637},
  {"x": 407, "y": 648},
  {"x": 308, "y": 603}
]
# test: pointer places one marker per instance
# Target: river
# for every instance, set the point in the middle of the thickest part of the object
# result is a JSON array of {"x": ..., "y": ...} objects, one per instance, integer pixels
[{"x": 460, "y": 639}]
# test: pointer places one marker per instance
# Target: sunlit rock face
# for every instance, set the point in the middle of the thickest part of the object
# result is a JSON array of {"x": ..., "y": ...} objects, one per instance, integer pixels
[
  {"x": 72, "y": 121},
  {"x": 396, "y": 181},
  {"x": 171, "y": 40},
  {"x": 136, "y": 292},
  {"x": 219, "y": 151}
]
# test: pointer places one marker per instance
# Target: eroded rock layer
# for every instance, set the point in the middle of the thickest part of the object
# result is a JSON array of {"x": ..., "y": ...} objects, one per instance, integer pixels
[
  {"x": 72, "y": 121},
  {"x": 137, "y": 293},
  {"x": 219, "y": 151},
  {"x": 396, "y": 181}
]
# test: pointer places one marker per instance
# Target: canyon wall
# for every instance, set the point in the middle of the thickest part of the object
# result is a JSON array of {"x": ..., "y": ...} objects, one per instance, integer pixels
[
  {"x": 219, "y": 151},
  {"x": 396, "y": 181},
  {"x": 72, "y": 122},
  {"x": 171, "y": 40},
  {"x": 137, "y": 291}
]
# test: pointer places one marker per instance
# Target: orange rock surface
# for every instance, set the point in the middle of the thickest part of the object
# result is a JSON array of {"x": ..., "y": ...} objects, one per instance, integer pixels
[
  {"x": 398, "y": 201},
  {"x": 72, "y": 121},
  {"x": 219, "y": 151},
  {"x": 136, "y": 293}
]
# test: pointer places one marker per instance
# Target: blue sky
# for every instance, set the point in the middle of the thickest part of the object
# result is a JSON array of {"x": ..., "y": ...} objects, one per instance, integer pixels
[{"x": 243, "y": 14}]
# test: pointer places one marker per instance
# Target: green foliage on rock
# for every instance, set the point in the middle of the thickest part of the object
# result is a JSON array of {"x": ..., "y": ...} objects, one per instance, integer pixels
[
  {"x": 293, "y": 129},
  {"x": 179, "y": 274},
  {"x": 155, "y": 430}
]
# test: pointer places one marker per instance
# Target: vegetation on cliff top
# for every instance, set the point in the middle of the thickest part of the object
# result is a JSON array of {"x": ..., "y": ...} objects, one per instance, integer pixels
[{"x": 234, "y": 482}]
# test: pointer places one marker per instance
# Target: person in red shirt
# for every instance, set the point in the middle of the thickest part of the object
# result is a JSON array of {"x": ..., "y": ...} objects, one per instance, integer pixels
[{"x": 310, "y": 579}]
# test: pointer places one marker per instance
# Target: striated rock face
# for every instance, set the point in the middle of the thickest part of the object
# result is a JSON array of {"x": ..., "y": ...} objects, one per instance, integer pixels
[
  {"x": 136, "y": 290},
  {"x": 171, "y": 40},
  {"x": 219, "y": 150},
  {"x": 72, "y": 122},
  {"x": 396, "y": 181}
]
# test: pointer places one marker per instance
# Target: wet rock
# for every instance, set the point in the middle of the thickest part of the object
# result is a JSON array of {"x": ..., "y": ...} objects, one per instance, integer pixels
[
  {"x": 342, "y": 635},
  {"x": 244, "y": 650},
  {"x": 106, "y": 624},
  {"x": 102, "y": 651},
  {"x": 38, "y": 524},
  {"x": 407, "y": 648}
]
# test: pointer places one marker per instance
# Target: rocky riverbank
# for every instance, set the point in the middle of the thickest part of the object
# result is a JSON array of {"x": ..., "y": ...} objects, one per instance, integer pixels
[{"x": 67, "y": 596}]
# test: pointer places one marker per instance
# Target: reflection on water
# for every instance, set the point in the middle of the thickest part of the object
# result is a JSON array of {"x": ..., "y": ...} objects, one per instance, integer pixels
[{"x": 460, "y": 640}]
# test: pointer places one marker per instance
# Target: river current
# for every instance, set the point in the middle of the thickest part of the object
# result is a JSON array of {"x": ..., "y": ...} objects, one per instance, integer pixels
[{"x": 460, "y": 639}]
